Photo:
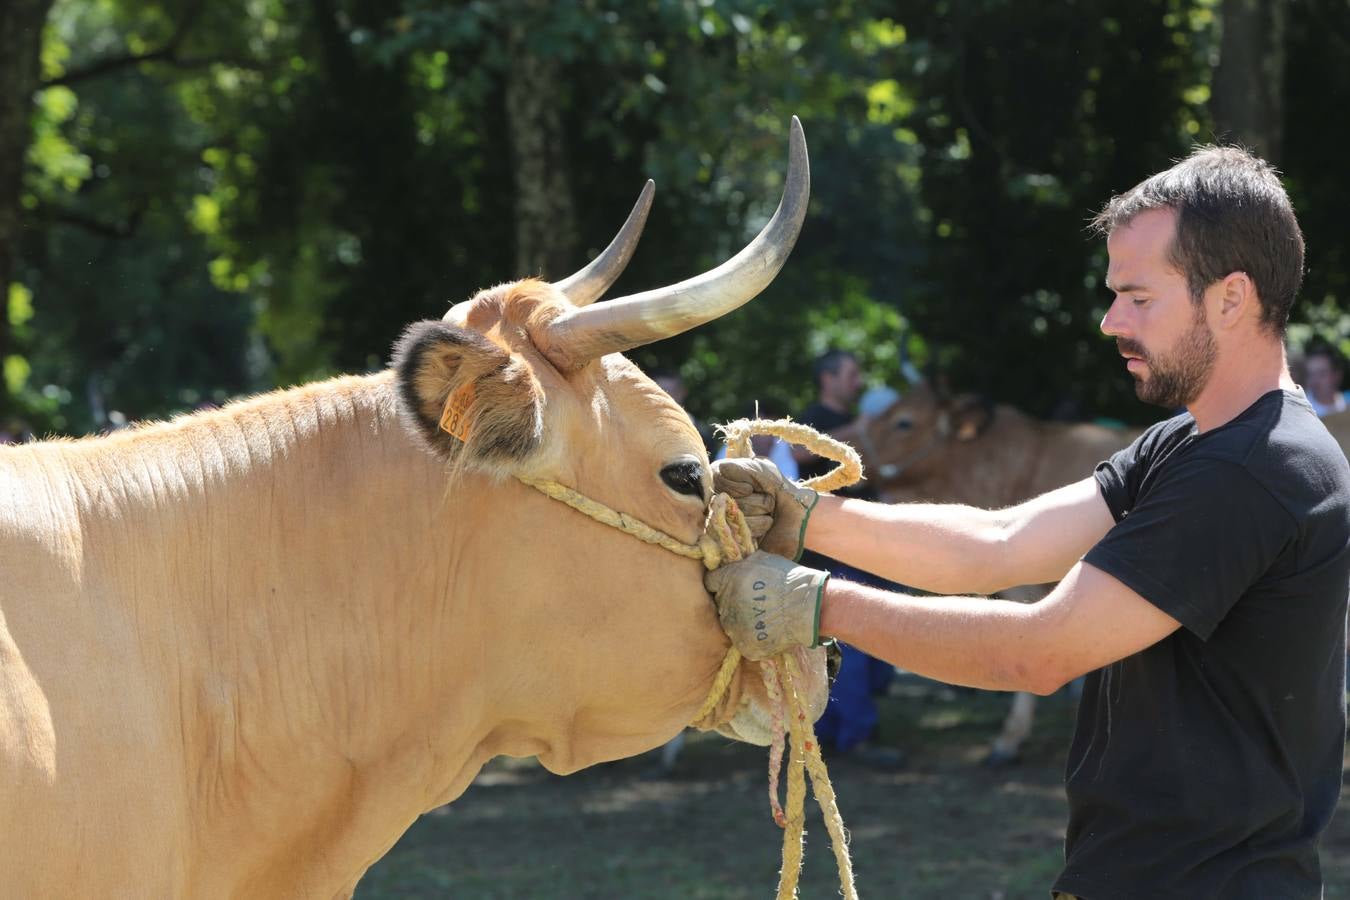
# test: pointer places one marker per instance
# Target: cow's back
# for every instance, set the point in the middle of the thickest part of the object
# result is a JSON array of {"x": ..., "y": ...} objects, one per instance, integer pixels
[
  {"x": 1070, "y": 453},
  {"x": 1012, "y": 458},
  {"x": 75, "y": 707}
]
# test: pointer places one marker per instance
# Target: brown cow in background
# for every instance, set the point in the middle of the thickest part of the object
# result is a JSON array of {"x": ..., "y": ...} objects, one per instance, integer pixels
[
  {"x": 929, "y": 447},
  {"x": 1339, "y": 426}
]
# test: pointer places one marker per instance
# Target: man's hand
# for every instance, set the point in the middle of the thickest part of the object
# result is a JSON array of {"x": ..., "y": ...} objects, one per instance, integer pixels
[
  {"x": 767, "y": 604},
  {"x": 775, "y": 509}
]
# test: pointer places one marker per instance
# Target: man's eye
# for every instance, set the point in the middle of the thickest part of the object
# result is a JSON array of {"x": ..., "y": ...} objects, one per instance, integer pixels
[{"x": 1139, "y": 301}]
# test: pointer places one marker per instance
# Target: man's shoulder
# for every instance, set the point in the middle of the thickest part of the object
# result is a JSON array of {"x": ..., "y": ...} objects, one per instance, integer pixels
[
  {"x": 1278, "y": 429},
  {"x": 1156, "y": 443},
  {"x": 1282, "y": 445}
]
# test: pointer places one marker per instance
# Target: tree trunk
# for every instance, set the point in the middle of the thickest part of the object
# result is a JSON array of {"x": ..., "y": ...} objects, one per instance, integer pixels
[
  {"x": 21, "y": 24},
  {"x": 1248, "y": 87},
  {"x": 544, "y": 210}
]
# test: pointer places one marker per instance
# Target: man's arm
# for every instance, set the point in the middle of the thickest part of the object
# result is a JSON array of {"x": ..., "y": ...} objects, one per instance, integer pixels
[
  {"x": 950, "y": 549},
  {"x": 1088, "y": 621}
]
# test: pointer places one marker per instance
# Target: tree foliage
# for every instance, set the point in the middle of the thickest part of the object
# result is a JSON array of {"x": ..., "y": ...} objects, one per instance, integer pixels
[
  {"x": 227, "y": 196},
  {"x": 1024, "y": 139}
]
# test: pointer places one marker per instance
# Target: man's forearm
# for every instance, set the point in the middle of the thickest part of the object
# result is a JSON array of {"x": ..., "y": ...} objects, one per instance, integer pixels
[
  {"x": 972, "y": 641},
  {"x": 945, "y": 549}
]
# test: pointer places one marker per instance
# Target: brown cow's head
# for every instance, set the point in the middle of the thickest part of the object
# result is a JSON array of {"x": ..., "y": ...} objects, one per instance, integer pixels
[
  {"x": 526, "y": 379},
  {"x": 901, "y": 445}
]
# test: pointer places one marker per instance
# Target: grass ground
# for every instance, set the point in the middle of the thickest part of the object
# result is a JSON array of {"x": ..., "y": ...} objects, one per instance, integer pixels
[{"x": 942, "y": 827}]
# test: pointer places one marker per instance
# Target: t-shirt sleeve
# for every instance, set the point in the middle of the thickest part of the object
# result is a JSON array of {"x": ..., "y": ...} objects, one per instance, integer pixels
[
  {"x": 1113, "y": 479},
  {"x": 1120, "y": 477},
  {"x": 1201, "y": 535}
]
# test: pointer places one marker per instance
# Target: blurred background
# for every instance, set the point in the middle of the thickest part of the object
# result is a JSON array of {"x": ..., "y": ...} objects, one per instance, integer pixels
[
  {"x": 205, "y": 199},
  {"x": 201, "y": 199}
]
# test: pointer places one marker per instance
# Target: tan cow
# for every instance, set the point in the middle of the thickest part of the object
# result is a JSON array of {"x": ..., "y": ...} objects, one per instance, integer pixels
[
  {"x": 1339, "y": 426},
  {"x": 926, "y": 447},
  {"x": 242, "y": 651}
]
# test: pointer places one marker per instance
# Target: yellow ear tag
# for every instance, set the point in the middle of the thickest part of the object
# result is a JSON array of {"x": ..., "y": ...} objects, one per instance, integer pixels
[{"x": 455, "y": 419}]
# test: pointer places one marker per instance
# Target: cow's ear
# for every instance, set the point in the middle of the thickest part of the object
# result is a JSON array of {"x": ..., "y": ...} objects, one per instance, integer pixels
[
  {"x": 473, "y": 402},
  {"x": 968, "y": 430},
  {"x": 971, "y": 415}
]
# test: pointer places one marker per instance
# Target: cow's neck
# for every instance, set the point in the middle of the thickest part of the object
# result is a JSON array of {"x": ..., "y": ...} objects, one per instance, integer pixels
[{"x": 287, "y": 565}]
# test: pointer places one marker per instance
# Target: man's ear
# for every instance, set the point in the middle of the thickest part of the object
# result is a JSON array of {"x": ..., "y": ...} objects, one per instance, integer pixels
[
  {"x": 1237, "y": 295},
  {"x": 471, "y": 400}
]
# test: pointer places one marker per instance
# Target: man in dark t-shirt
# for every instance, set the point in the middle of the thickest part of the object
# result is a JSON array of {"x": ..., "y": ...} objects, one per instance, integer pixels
[
  {"x": 1203, "y": 571},
  {"x": 838, "y": 377},
  {"x": 1224, "y": 739}
]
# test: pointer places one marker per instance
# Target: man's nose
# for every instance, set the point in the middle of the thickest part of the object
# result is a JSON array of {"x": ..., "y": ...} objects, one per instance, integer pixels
[{"x": 1113, "y": 323}]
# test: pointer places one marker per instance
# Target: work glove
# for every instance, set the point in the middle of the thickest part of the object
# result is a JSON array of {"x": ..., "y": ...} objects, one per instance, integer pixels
[
  {"x": 767, "y": 604},
  {"x": 775, "y": 509}
]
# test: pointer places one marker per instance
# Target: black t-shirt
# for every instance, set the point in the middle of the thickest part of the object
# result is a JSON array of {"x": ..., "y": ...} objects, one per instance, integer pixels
[
  {"x": 1208, "y": 765},
  {"x": 823, "y": 419}
]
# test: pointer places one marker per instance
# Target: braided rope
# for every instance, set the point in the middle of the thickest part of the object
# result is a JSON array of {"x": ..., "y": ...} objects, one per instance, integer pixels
[
  {"x": 726, "y": 538},
  {"x": 774, "y": 690},
  {"x": 612, "y": 517}
]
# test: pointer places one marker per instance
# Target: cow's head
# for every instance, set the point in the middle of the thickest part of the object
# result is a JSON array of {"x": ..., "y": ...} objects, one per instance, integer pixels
[
  {"x": 904, "y": 443},
  {"x": 526, "y": 379}
]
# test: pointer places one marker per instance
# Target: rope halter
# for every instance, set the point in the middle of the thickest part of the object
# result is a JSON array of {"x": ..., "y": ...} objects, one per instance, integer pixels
[{"x": 726, "y": 538}]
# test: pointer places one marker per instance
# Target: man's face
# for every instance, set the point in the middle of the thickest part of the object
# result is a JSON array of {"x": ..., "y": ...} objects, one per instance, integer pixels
[
  {"x": 843, "y": 385},
  {"x": 1163, "y": 334},
  {"x": 1322, "y": 377}
]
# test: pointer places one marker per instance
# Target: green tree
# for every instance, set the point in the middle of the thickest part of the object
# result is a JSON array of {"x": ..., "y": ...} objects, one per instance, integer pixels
[
  {"x": 230, "y": 195},
  {"x": 120, "y": 319},
  {"x": 455, "y": 122},
  {"x": 21, "y": 24},
  {"x": 1024, "y": 137},
  {"x": 1316, "y": 81}
]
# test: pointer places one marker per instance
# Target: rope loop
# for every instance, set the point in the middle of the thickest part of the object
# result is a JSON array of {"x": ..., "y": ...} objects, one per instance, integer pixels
[{"x": 849, "y": 465}]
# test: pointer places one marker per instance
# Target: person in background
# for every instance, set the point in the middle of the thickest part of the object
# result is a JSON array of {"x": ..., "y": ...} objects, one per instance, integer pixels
[
  {"x": 1323, "y": 369},
  {"x": 15, "y": 432},
  {"x": 849, "y": 726},
  {"x": 774, "y": 449},
  {"x": 839, "y": 381}
]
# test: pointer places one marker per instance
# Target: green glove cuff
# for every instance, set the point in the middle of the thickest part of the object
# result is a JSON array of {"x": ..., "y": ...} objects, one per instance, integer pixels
[
  {"x": 820, "y": 598},
  {"x": 768, "y": 604},
  {"x": 807, "y": 507}
]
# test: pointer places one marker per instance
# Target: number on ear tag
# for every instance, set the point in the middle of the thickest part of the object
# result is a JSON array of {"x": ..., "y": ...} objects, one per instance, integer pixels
[{"x": 455, "y": 419}]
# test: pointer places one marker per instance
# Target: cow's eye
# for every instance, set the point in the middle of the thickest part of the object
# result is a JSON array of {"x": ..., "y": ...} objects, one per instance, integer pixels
[
  {"x": 903, "y": 424},
  {"x": 684, "y": 477}
]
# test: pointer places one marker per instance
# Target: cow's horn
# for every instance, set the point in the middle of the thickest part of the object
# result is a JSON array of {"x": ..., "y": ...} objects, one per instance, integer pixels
[
  {"x": 590, "y": 283},
  {"x": 617, "y": 325}
]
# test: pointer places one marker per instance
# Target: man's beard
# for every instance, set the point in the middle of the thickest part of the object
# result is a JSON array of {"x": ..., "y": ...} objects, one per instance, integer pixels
[{"x": 1176, "y": 379}]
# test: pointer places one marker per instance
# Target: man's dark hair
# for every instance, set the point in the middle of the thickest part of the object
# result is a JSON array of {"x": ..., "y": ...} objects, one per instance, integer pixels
[
  {"x": 830, "y": 361},
  {"x": 1233, "y": 215}
]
